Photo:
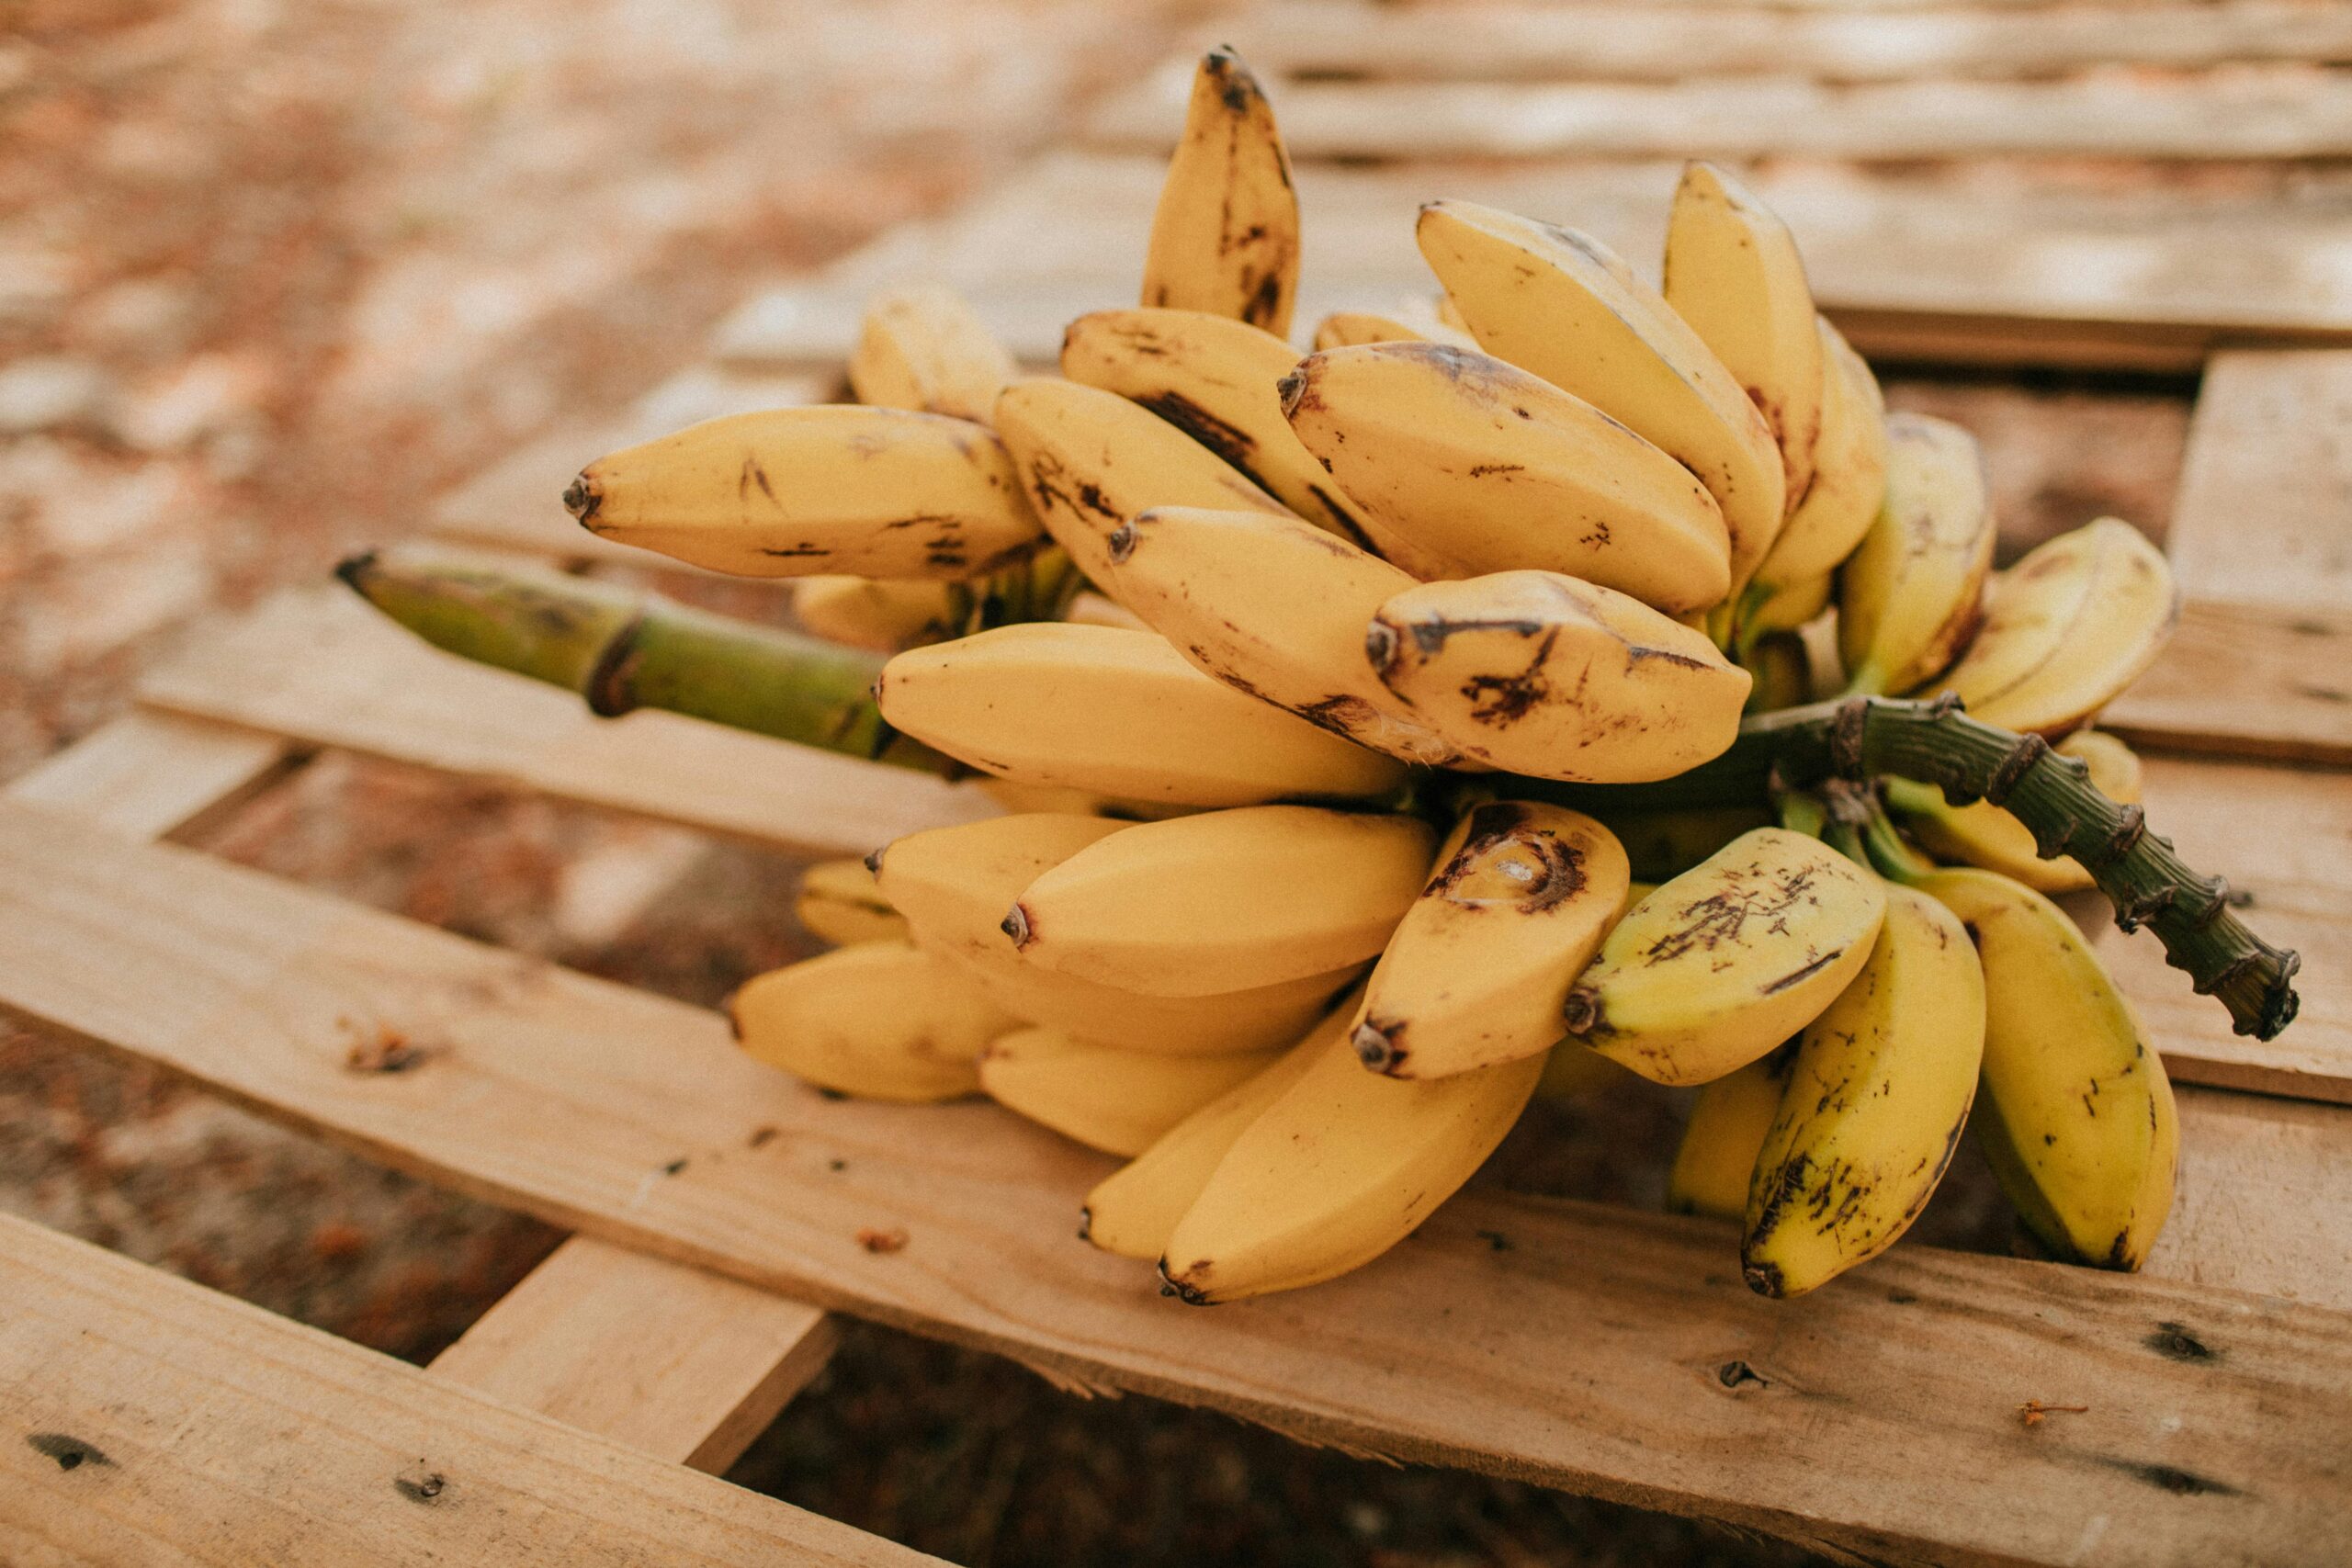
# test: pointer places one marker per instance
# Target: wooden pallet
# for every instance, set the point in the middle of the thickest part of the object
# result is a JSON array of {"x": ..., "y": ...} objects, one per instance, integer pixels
[{"x": 717, "y": 1206}]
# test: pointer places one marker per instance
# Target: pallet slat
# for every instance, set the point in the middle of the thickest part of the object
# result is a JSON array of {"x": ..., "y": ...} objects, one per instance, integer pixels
[
  {"x": 633, "y": 1117},
  {"x": 150, "y": 775},
  {"x": 151, "y": 1420}
]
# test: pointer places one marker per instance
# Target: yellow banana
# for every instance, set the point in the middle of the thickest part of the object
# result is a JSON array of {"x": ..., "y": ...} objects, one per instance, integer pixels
[
  {"x": 1542, "y": 674},
  {"x": 954, "y": 883},
  {"x": 1350, "y": 329},
  {"x": 799, "y": 491},
  {"x": 1214, "y": 378},
  {"x": 1729, "y": 1120},
  {"x": 2074, "y": 1111},
  {"x": 1134, "y": 1210},
  {"x": 1984, "y": 835},
  {"x": 1782, "y": 670},
  {"x": 1276, "y": 608},
  {"x": 1878, "y": 1092},
  {"x": 1092, "y": 460},
  {"x": 1849, "y": 474},
  {"x": 1478, "y": 969},
  {"x": 882, "y": 1021},
  {"x": 839, "y": 905},
  {"x": 2073, "y": 623},
  {"x": 1480, "y": 464},
  {"x": 925, "y": 348},
  {"x": 1119, "y": 1102},
  {"x": 1224, "y": 901},
  {"x": 1341, "y": 1167},
  {"x": 866, "y": 611},
  {"x": 1119, "y": 713},
  {"x": 1907, "y": 597},
  {"x": 1787, "y": 606},
  {"x": 1733, "y": 272},
  {"x": 1728, "y": 959},
  {"x": 1560, "y": 305},
  {"x": 1224, "y": 236}
]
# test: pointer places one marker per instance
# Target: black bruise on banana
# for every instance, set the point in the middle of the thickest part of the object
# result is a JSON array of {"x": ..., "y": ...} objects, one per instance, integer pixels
[{"x": 1723, "y": 916}]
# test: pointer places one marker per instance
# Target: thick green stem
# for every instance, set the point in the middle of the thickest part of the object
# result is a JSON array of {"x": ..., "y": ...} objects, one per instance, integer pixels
[{"x": 621, "y": 649}]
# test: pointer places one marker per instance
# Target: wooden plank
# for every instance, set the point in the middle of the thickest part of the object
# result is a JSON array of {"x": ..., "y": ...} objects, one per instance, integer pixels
[
  {"x": 2251, "y": 112},
  {"x": 150, "y": 775},
  {"x": 674, "y": 1361},
  {"x": 1882, "y": 1411},
  {"x": 2261, "y": 541},
  {"x": 152, "y": 1421},
  {"x": 321, "y": 667},
  {"x": 1324, "y": 40}
]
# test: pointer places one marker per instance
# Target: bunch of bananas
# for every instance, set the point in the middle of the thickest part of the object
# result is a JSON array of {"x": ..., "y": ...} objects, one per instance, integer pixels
[{"x": 1337, "y": 695}]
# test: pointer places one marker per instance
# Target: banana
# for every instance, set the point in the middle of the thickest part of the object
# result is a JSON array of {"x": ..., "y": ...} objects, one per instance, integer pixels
[
  {"x": 2073, "y": 623},
  {"x": 1350, "y": 329},
  {"x": 1729, "y": 1120},
  {"x": 1668, "y": 843},
  {"x": 1274, "y": 607},
  {"x": 1092, "y": 460},
  {"x": 1849, "y": 476},
  {"x": 1983, "y": 834},
  {"x": 1091, "y": 609},
  {"x": 952, "y": 885},
  {"x": 839, "y": 905},
  {"x": 1214, "y": 378},
  {"x": 1341, "y": 1167},
  {"x": 882, "y": 1021},
  {"x": 1225, "y": 235},
  {"x": 925, "y": 348},
  {"x": 1224, "y": 900},
  {"x": 1733, "y": 272},
  {"x": 1559, "y": 305},
  {"x": 1541, "y": 675},
  {"x": 799, "y": 491},
  {"x": 866, "y": 611},
  {"x": 1478, "y": 969},
  {"x": 1119, "y": 1102},
  {"x": 1878, "y": 1092},
  {"x": 1133, "y": 1211},
  {"x": 1907, "y": 597},
  {"x": 2075, "y": 1110},
  {"x": 1729, "y": 959},
  {"x": 1119, "y": 713},
  {"x": 1477, "y": 463}
]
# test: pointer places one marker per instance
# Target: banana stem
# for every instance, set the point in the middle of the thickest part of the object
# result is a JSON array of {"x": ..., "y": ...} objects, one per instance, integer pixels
[
  {"x": 621, "y": 649},
  {"x": 1859, "y": 738}
]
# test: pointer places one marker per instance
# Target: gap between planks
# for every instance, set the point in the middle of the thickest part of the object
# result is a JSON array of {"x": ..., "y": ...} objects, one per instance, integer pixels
[{"x": 681, "y": 1363}]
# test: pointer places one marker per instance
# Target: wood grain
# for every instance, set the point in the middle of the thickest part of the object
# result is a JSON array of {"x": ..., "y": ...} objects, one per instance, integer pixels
[
  {"x": 146, "y": 1420},
  {"x": 1600, "y": 1349},
  {"x": 150, "y": 775},
  {"x": 321, "y": 667}
]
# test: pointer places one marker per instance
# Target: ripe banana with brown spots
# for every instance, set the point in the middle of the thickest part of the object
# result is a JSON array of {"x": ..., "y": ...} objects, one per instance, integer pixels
[
  {"x": 882, "y": 1021},
  {"x": 1715, "y": 1162},
  {"x": 1225, "y": 235},
  {"x": 875, "y": 613},
  {"x": 1118, "y": 1102},
  {"x": 1848, "y": 479},
  {"x": 1908, "y": 596}
]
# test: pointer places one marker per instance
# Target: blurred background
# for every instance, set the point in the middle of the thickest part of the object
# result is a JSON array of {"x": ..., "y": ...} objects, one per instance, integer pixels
[{"x": 276, "y": 278}]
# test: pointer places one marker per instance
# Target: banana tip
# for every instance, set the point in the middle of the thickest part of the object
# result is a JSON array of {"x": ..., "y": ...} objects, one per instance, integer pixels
[
  {"x": 582, "y": 497},
  {"x": 1765, "y": 1279},
  {"x": 1173, "y": 1285},
  {"x": 1122, "y": 542},
  {"x": 353, "y": 570},
  {"x": 1293, "y": 390},
  {"x": 1581, "y": 1013},
  {"x": 1381, "y": 645},
  {"x": 1015, "y": 925},
  {"x": 1376, "y": 1049}
]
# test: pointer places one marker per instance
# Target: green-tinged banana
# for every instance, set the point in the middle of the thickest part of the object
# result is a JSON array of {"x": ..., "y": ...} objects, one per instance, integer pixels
[
  {"x": 1878, "y": 1092},
  {"x": 882, "y": 1020},
  {"x": 1119, "y": 1102},
  {"x": 2073, "y": 623},
  {"x": 2075, "y": 1110},
  {"x": 1782, "y": 670},
  {"x": 1733, "y": 272},
  {"x": 1133, "y": 1211},
  {"x": 1482, "y": 465},
  {"x": 820, "y": 489},
  {"x": 1236, "y": 899},
  {"x": 1116, "y": 712},
  {"x": 924, "y": 347},
  {"x": 1350, "y": 329},
  {"x": 1341, "y": 1167},
  {"x": 1716, "y": 1159},
  {"x": 839, "y": 904},
  {"x": 1849, "y": 476},
  {"x": 1477, "y": 971},
  {"x": 1224, "y": 236},
  {"x": 1983, "y": 834},
  {"x": 1728, "y": 959},
  {"x": 1560, "y": 305},
  {"x": 1664, "y": 843},
  {"x": 1214, "y": 378},
  {"x": 1274, "y": 607},
  {"x": 866, "y": 611},
  {"x": 1790, "y": 606},
  {"x": 1908, "y": 596},
  {"x": 1092, "y": 460},
  {"x": 1542, "y": 674}
]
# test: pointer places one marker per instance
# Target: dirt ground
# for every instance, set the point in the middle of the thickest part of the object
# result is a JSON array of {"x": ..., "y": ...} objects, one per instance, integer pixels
[{"x": 271, "y": 276}]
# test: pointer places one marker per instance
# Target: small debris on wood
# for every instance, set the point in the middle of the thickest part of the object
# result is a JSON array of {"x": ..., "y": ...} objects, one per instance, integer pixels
[
  {"x": 2034, "y": 1412},
  {"x": 389, "y": 1052},
  {"x": 892, "y": 1240}
]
